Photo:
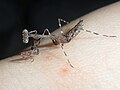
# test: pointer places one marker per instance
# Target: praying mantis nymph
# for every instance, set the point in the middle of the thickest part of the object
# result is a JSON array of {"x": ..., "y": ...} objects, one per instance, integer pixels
[{"x": 56, "y": 39}]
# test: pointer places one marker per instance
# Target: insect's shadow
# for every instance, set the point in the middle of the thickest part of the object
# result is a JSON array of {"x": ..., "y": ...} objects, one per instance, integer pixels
[{"x": 22, "y": 60}]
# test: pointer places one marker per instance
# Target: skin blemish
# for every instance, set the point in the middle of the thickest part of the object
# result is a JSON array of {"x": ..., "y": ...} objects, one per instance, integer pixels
[{"x": 65, "y": 71}]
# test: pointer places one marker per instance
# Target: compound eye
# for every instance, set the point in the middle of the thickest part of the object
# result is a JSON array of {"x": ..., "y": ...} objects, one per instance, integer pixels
[
  {"x": 25, "y": 31},
  {"x": 25, "y": 36}
]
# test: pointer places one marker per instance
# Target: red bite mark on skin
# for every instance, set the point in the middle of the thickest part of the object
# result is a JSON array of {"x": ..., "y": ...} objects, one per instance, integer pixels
[{"x": 64, "y": 71}]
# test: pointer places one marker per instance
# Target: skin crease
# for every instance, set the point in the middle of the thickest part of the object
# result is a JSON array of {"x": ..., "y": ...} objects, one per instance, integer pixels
[{"x": 95, "y": 59}]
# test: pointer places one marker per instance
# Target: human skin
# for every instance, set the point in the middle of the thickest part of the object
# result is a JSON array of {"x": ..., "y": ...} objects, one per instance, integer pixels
[{"x": 96, "y": 59}]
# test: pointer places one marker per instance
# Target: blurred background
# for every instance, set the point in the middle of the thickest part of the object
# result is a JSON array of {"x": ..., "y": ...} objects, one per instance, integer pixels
[{"x": 16, "y": 15}]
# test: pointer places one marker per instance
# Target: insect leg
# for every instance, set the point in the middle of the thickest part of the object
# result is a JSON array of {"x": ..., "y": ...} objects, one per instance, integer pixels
[
  {"x": 60, "y": 25},
  {"x": 98, "y": 34},
  {"x": 64, "y": 39},
  {"x": 95, "y": 33},
  {"x": 37, "y": 41},
  {"x": 34, "y": 31},
  {"x": 55, "y": 41},
  {"x": 66, "y": 56}
]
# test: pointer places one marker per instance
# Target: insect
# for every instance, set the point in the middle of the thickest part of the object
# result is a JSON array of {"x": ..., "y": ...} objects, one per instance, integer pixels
[{"x": 57, "y": 40}]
